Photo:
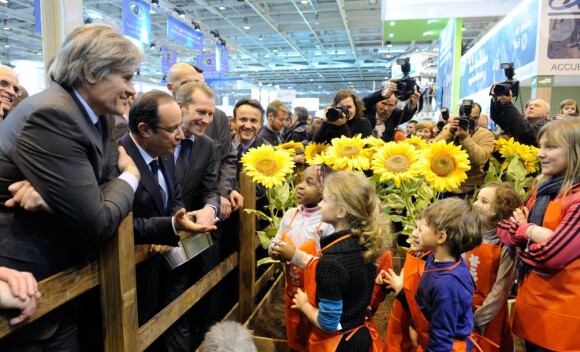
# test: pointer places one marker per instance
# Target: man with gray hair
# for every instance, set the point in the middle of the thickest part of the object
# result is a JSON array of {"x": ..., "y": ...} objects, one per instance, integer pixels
[
  {"x": 524, "y": 129},
  {"x": 65, "y": 186},
  {"x": 9, "y": 90},
  {"x": 298, "y": 132}
]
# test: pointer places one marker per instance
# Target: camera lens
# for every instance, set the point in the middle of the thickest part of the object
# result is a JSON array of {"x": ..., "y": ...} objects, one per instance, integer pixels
[{"x": 333, "y": 114}]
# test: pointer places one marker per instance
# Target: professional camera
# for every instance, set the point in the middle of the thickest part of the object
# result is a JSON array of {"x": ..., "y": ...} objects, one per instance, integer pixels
[
  {"x": 465, "y": 121},
  {"x": 503, "y": 88},
  {"x": 407, "y": 85},
  {"x": 444, "y": 114},
  {"x": 335, "y": 113}
]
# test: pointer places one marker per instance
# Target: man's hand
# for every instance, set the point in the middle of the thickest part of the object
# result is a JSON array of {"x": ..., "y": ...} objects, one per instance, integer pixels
[
  {"x": 503, "y": 98},
  {"x": 126, "y": 164},
  {"x": 225, "y": 207},
  {"x": 390, "y": 88},
  {"x": 236, "y": 199},
  {"x": 25, "y": 196},
  {"x": 183, "y": 222},
  {"x": 414, "y": 99},
  {"x": 22, "y": 284},
  {"x": 160, "y": 248},
  {"x": 461, "y": 134},
  {"x": 205, "y": 216}
]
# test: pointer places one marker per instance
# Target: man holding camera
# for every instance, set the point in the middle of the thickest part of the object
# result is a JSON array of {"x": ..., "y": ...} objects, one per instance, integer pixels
[
  {"x": 476, "y": 141},
  {"x": 524, "y": 129},
  {"x": 381, "y": 106}
]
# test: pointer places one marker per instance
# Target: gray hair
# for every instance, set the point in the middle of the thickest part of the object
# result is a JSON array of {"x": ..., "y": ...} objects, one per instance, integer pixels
[
  {"x": 94, "y": 49},
  {"x": 228, "y": 336},
  {"x": 185, "y": 93}
]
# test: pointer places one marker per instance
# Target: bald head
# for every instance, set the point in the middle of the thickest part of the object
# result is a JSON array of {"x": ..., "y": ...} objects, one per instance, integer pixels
[
  {"x": 9, "y": 88},
  {"x": 537, "y": 110},
  {"x": 180, "y": 74}
]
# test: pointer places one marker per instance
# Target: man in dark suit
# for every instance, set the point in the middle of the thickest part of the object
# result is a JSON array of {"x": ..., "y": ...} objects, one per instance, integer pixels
[
  {"x": 230, "y": 199},
  {"x": 56, "y": 146},
  {"x": 158, "y": 210},
  {"x": 380, "y": 108}
]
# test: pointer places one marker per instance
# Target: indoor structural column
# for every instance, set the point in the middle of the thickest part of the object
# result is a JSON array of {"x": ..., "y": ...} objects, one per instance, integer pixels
[{"x": 59, "y": 18}]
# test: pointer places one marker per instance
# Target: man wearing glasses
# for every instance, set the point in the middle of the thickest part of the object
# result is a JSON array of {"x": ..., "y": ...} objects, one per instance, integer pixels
[{"x": 158, "y": 211}]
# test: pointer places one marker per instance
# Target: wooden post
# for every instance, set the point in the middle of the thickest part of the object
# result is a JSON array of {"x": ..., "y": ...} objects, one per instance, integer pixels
[
  {"x": 247, "y": 254},
  {"x": 118, "y": 290}
]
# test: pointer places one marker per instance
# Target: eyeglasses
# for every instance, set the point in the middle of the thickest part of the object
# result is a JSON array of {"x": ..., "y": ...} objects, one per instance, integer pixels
[{"x": 174, "y": 131}]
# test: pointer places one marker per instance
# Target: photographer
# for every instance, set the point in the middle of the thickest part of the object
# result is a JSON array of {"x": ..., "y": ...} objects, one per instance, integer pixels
[
  {"x": 505, "y": 115},
  {"x": 382, "y": 106},
  {"x": 345, "y": 119},
  {"x": 476, "y": 141}
]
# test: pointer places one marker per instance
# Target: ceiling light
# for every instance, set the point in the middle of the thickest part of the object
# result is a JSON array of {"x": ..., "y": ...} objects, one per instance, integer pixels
[
  {"x": 389, "y": 44},
  {"x": 6, "y": 45},
  {"x": 304, "y": 2},
  {"x": 391, "y": 35},
  {"x": 6, "y": 28},
  {"x": 4, "y": 1},
  {"x": 260, "y": 37},
  {"x": 246, "y": 25},
  {"x": 221, "y": 8}
]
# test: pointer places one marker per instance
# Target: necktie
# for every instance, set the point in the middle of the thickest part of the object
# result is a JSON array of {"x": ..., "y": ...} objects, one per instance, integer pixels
[
  {"x": 183, "y": 158},
  {"x": 240, "y": 151},
  {"x": 99, "y": 127},
  {"x": 154, "y": 165}
]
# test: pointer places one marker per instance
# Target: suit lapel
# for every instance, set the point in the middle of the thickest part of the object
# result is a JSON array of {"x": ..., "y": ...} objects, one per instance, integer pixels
[
  {"x": 147, "y": 180},
  {"x": 91, "y": 130}
]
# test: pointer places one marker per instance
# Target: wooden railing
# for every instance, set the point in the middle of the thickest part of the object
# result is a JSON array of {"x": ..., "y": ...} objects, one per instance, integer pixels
[{"x": 114, "y": 272}]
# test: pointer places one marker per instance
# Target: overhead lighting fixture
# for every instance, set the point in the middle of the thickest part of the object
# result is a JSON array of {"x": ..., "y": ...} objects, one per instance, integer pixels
[
  {"x": 221, "y": 8},
  {"x": 304, "y": 2},
  {"x": 246, "y": 25},
  {"x": 4, "y": 1},
  {"x": 389, "y": 44},
  {"x": 260, "y": 37},
  {"x": 391, "y": 35}
]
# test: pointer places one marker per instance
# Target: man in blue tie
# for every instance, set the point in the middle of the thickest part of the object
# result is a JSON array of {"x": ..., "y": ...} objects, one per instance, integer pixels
[{"x": 158, "y": 211}]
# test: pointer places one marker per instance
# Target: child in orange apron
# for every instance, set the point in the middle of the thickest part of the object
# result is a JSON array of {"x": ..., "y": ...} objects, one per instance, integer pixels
[
  {"x": 297, "y": 240},
  {"x": 398, "y": 337},
  {"x": 339, "y": 281},
  {"x": 547, "y": 313},
  {"x": 492, "y": 266},
  {"x": 441, "y": 309}
]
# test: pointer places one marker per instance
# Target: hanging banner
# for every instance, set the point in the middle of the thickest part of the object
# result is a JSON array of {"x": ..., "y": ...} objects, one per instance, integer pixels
[
  {"x": 559, "y": 52},
  {"x": 184, "y": 34},
  {"x": 137, "y": 20},
  {"x": 37, "y": 18},
  {"x": 513, "y": 39},
  {"x": 449, "y": 46},
  {"x": 221, "y": 56},
  {"x": 168, "y": 59},
  {"x": 214, "y": 66}
]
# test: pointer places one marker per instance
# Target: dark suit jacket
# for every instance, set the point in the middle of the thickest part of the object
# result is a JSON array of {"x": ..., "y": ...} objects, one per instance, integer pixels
[
  {"x": 51, "y": 141},
  {"x": 398, "y": 116},
  {"x": 199, "y": 183},
  {"x": 225, "y": 155},
  {"x": 151, "y": 220}
]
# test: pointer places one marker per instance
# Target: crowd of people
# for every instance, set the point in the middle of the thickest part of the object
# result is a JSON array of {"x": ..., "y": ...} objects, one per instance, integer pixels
[{"x": 76, "y": 158}]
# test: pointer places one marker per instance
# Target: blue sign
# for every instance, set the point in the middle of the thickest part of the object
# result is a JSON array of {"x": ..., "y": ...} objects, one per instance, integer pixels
[
  {"x": 445, "y": 66},
  {"x": 184, "y": 34},
  {"x": 137, "y": 20},
  {"x": 37, "y": 17},
  {"x": 168, "y": 58},
  {"x": 214, "y": 65},
  {"x": 514, "y": 39}
]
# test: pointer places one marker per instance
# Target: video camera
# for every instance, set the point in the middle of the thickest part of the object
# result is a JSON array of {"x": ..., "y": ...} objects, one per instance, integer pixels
[
  {"x": 407, "y": 85},
  {"x": 503, "y": 88},
  {"x": 465, "y": 121},
  {"x": 335, "y": 113}
]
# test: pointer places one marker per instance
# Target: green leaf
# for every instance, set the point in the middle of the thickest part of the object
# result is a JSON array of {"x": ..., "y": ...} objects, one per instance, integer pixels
[
  {"x": 264, "y": 239},
  {"x": 266, "y": 260},
  {"x": 516, "y": 170},
  {"x": 259, "y": 213}
]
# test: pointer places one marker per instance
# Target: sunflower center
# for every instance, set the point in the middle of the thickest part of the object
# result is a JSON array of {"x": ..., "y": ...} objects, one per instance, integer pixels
[
  {"x": 442, "y": 165},
  {"x": 267, "y": 166},
  {"x": 348, "y": 151},
  {"x": 397, "y": 163}
]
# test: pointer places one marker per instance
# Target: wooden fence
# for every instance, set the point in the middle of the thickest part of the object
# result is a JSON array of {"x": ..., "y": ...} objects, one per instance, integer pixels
[{"x": 114, "y": 273}]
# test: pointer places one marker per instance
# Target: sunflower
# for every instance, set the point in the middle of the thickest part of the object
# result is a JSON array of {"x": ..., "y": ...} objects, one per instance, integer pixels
[
  {"x": 290, "y": 147},
  {"x": 417, "y": 142},
  {"x": 267, "y": 166},
  {"x": 372, "y": 144},
  {"x": 511, "y": 149},
  {"x": 397, "y": 162},
  {"x": 313, "y": 151},
  {"x": 446, "y": 166},
  {"x": 347, "y": 154}
]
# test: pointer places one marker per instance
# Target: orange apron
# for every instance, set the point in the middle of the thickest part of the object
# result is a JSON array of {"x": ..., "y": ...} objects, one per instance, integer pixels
[
  {"x": 297, "y": 324},
  {"x": 422, "y": 325},
  {"x": 319, "y": 340},
  {"x": 547, "y": 312},
  {"x": 485, "y": 259},
  {"x": 397, "y": 338}
]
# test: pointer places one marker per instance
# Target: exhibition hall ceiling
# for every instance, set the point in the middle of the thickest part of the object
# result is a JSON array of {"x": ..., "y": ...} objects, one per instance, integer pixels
[{"x": 312, "y": 46}]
